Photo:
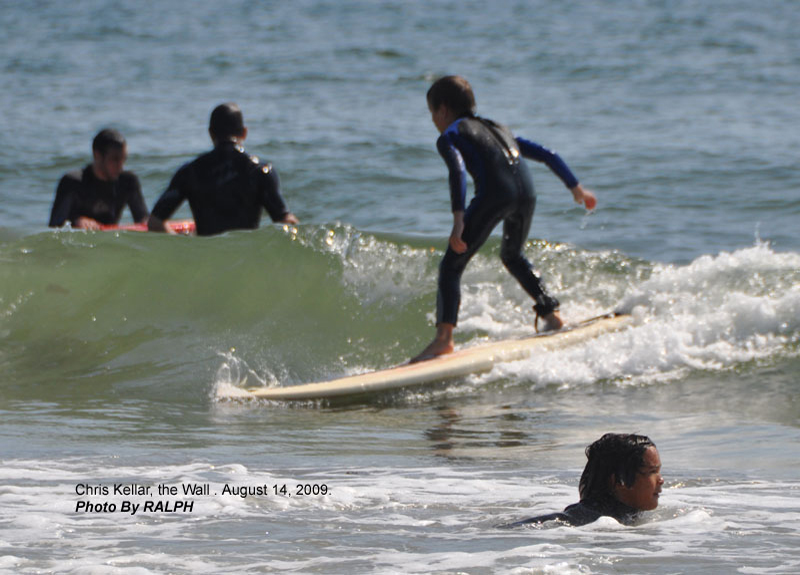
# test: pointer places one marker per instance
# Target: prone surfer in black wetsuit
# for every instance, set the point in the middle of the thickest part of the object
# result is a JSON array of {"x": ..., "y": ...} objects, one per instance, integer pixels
[
  {"x": 621, "y": 479},
  {"x": 503, "y": 193},
  {"x": 98, "y": 193},
  {"x": 227, "y": 189}
]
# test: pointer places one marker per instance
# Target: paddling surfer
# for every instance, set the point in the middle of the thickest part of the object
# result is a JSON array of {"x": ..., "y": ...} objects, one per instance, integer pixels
[
  {"x": 98, "y": 194},
  {"x": 503, "y": 193},
  {"x": 227, "y": 189}
]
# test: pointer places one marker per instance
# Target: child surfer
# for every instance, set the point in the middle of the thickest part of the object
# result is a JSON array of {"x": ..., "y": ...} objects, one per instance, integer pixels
[{"x": 503, "y": 193}]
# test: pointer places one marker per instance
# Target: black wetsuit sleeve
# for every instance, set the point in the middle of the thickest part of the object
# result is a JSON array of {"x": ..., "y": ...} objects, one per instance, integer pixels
[
  {"x": 172, "y": 197},
  {"x": 62, "y": 204},
  {"x": 559, "y": 516},
  {"x": 271, "y": 197},
  {"x": 136, "y": 201},
  {"x": 534, "y": 151},
  {"x": 458, "y": 173}
]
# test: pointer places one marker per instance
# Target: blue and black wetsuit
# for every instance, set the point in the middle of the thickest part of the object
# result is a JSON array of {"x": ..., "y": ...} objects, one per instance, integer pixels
[
  {"x": 227, "y": 189},
  {"x": 82, "y": 194},
  {"x": 503, "y": 193}
]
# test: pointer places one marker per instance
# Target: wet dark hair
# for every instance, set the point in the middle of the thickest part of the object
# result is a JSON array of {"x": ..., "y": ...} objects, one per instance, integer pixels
[
  {"x": 106, "y": 139},
  {"x": 620, "y": 455},
  {"x": 453, "y": 92},
  {"x": 226, "y": 121}
]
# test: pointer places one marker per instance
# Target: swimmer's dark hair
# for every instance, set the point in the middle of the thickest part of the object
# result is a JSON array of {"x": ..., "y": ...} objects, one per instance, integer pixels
[
  {"x": 620, "y": 455},
  {"x": 226, "y": 121},
  {"x": 453, "y": 92},
  {"x": 106, "y": 139}
]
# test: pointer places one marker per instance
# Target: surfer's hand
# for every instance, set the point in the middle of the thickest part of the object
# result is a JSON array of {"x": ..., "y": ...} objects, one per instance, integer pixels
[
  {"x": 84, "y": 223},
  {"x": 155, "y": 224},
  {"x": 456, "y": 243},
  {"x": 584, "y": 196},
  {"x": 290, "y": 218}
]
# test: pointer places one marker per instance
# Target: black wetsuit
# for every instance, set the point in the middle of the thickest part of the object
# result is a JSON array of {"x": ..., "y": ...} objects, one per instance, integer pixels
[
  {"x": 226, "y": 189},
  {"x": 82, "y": 194},
  {"x": 586, "y": 512},
  {"x": 503, "y": 192}
]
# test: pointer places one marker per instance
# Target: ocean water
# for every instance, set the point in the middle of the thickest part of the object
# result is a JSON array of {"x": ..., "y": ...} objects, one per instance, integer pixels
[{"x": 122, "y": 448}]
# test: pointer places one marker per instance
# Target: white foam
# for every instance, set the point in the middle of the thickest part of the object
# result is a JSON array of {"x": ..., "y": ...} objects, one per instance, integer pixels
[
  {"x": 712, "y": 314},
  {"x": 411, "y": 520},
  {"x": 234, "y": 374}
]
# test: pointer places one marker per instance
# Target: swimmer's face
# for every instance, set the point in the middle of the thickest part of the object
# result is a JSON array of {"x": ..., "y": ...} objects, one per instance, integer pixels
[
  {"x": 643, "y": 494},
  {"x": 109, "y": 166}
]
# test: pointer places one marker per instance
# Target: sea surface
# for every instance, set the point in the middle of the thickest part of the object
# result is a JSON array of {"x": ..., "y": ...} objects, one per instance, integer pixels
[{"x": 122, "y": 450}]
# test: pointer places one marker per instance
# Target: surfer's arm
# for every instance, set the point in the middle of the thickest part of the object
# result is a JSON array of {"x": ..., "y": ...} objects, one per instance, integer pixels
[
  {"x": 136, "y": 201},
  {"x": 458, "y": 173},
  {"x": 166, "y": 205},
  {"x": 552, "y": 160},
  {"x": 162, "y": 211},
  {"x": 456, "y": 243},
  {"x": 458, "y": 189},
  {"x": 271, "y": 196},
  {"x": 62, "y": 204}
]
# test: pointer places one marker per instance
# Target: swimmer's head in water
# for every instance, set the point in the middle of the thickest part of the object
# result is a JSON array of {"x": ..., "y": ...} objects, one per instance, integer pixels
[
  {"x": 453, "y": 92},
  {"x": 646, "y": 489},
  {"x": 614, "y": 459},
  {"x": 226, "y": 122}
]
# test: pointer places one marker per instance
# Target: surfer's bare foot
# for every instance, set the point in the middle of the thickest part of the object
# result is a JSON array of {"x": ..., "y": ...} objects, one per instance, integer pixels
[
  {"x": 434, "y": 349},
  {"x": 441, "y": 344},
  {"x": 552, "y": 322}
]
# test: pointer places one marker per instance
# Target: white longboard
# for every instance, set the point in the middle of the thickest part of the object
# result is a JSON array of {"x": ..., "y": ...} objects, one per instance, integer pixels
[{"x": 462, "y": 362}]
